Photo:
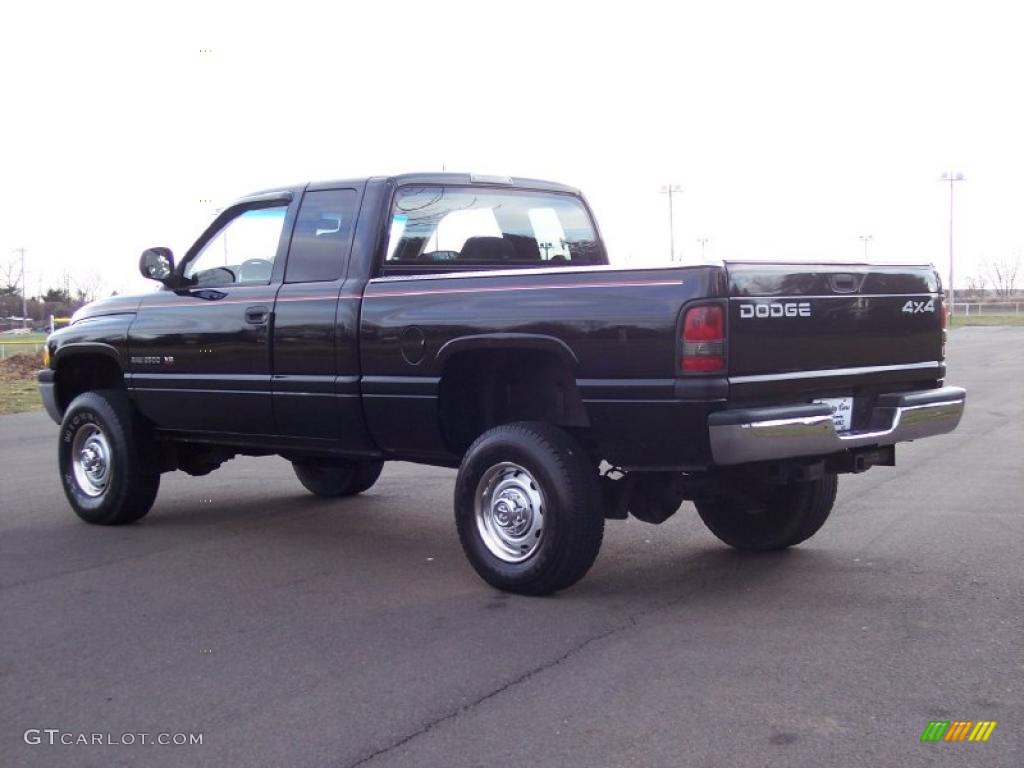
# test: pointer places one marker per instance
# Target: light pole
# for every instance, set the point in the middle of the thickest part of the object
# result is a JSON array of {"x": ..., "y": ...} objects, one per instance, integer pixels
[
  {"x": 24, "y": 302},
  {"x": 866, "y": 239},
  {"x": 703, "y": 242},
  {"x": 671, "y": 189},
  {"x": 952, "y": 177}
]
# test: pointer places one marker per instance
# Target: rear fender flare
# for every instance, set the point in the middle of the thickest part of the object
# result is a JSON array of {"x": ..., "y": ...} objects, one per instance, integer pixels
[{"x": 519, "y": 341}]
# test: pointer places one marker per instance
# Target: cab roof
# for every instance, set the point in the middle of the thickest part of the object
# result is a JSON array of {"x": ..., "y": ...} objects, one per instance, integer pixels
[{"x": 413, "y": 179}]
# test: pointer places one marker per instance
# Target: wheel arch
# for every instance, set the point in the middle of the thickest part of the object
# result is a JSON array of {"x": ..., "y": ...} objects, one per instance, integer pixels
[
  {"x": 494, "y": 379},
  {"x": 82, "y": 367}
]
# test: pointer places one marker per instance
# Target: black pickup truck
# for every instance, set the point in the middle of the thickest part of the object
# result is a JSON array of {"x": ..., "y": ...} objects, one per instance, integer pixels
[{"x": 475, "y": 322}]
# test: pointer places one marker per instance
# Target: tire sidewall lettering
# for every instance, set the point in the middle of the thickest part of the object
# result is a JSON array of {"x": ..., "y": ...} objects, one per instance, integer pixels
[
  {"x": 74, "y": 423},
  {"x": 77, "y": 421}
]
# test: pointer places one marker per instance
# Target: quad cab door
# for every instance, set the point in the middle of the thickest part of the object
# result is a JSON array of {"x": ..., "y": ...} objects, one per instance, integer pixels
[
  {"x": 316, "y": 324},
  {"x": 200, "y": 357}
]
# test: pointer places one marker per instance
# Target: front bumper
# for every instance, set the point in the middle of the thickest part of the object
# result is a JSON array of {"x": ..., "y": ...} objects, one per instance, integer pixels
[
  {"x": 784, "y": 432},
  {"x": 48, "y": 393}
]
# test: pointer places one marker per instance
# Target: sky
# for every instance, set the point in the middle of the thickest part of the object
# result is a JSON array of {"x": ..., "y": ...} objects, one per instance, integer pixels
[{"x": 792, "y": 128}]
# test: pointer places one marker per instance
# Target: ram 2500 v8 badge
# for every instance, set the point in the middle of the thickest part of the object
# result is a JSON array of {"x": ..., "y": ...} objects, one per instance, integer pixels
[{"x": 476, "y": 323}]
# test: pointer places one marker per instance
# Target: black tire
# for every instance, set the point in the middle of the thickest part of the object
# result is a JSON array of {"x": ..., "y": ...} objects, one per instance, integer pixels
[
  {"x": 337, "y": 477},
  {"x": 760, "y": 517},
  {"x": 557, "y": 481},
  {"x": 102, "y": 426}
]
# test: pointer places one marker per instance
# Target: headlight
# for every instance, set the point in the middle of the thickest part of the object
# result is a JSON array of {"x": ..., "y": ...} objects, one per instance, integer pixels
[{"x": 46, "y": 355}]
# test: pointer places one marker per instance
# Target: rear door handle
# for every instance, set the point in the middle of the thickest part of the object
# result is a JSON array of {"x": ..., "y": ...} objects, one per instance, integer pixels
[{"x": 257, "y": 315}]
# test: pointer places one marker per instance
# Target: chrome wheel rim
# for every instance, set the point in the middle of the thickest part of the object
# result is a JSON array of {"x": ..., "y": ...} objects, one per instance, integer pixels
[
  {"x": 91, "y": 460},
  {"x": 509, "y": 510}
]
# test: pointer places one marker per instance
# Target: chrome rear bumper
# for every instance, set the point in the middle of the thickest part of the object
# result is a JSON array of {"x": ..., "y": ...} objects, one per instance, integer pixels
[{"x": 767, "y": 434}]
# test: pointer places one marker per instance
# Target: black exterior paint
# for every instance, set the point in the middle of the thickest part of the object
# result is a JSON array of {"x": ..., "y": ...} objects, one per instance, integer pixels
[
  {"x": 354, "y": 366},
  {"x": 844, "y": 330},
  {"x": 622, "y": 355},
  {"x": 219, "y": 379}
]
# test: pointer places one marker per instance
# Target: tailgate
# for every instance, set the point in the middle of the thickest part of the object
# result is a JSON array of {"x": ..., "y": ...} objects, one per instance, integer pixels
[{"x": 818, "y": 320}]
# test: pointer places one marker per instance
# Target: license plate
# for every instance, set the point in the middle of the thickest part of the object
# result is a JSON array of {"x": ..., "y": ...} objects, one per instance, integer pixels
[{"x": 842, "y": 411}]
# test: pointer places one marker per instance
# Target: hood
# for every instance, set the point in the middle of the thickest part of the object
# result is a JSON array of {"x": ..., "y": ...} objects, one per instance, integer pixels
[{"x": 114, "y": 305}]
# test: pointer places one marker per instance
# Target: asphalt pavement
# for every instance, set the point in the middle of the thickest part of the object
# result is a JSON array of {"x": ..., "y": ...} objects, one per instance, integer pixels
[{"x": 294, "y": 631}]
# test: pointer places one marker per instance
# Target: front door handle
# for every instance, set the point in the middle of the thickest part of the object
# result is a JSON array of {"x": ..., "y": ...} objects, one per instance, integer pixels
[{"x": 257, "y": 315}]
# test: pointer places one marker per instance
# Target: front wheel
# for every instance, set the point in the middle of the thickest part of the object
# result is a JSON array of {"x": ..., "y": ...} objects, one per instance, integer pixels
[
  {"x": 101, "y": 442},
  {"x": 329, "y": 477},
  {"x": 751, "y": 515},
  {"x": 528, "y": 508}
]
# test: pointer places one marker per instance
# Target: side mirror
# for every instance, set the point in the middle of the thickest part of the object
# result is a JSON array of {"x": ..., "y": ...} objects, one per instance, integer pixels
[{"x": 157, "y": 264}]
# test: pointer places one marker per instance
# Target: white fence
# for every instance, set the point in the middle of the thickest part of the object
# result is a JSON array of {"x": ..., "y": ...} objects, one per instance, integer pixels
[
  {"x": 968, "y": 308},
  {"x": 8, "y": 348}
]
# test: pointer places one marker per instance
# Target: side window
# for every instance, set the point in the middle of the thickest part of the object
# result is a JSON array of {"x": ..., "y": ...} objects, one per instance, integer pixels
[
  {"x": 243, "y": 251},
  {"x": 323, "y": 236}
]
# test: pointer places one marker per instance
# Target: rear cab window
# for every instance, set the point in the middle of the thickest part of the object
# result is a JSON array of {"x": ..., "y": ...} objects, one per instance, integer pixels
[{"x": 450, "y": 229}]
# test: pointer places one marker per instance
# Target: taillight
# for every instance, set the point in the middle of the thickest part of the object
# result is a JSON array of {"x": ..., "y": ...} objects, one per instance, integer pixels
[{"x": 704, "y": 340}]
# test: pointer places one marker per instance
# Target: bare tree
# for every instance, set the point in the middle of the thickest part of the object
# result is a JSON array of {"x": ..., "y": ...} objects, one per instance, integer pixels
[
  {"x": 1004, "y": 274},
  {"x": 976, "y": 285},
  {"x": 88, "y": 285},
  {"x": 10, "y": 277}
]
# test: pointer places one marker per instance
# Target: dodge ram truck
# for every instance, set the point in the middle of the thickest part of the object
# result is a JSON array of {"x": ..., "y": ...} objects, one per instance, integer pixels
[{"x": 476, "y": 322}]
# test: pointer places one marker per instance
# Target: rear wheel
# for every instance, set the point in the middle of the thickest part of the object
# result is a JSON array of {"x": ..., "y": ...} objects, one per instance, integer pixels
[
  {"x": 528, "y": 508},
  {"x": 101, "y": 445},
  {"x": 337, "y": 477},
  {"x": 757, "y": 516}
]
